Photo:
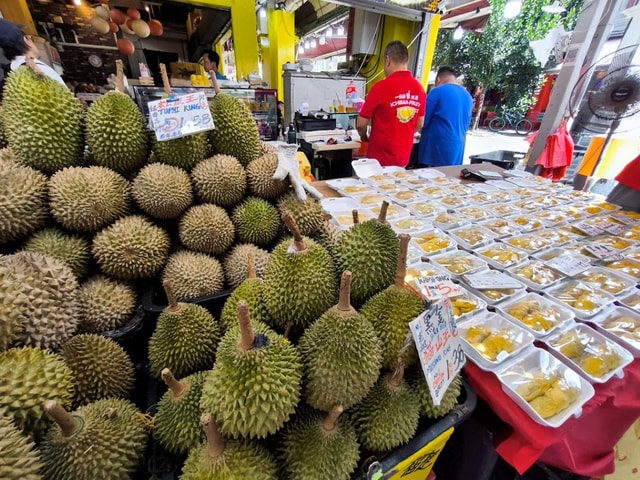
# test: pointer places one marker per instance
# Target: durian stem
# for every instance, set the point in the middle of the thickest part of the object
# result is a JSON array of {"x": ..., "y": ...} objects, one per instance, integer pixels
[
  {"x": 68, "y": 424},
  {"x": 401, "y": 271},
  {"x": 177, "y": 387},
  {"x": 110, "y": 412},
  {"x": 214, "y": 81},
  {"x": 344, "y": 302},
  {"x": 119, "y": 76},
  {"x": 165, "y": 79},
  {"x": 287, "y": 330},
  {"x": 251, "y": 266},
  {"x": 31, "y": 63},
  {"x": 215, "y": 442},
  {"x": 382, "y": 216},
  {"x": 330, "y": 422},
  {"x": 298, "y": 242},
  {"x": 396, "y": 378},
  {"x": 171, "y": 296},
  {"x": 356, "y": 216},
  {"x": 246, "y": 330}
]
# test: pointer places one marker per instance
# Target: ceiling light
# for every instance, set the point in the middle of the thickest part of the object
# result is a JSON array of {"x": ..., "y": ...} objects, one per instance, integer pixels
[
  {"x": 314, "y": 44},
  {"x": 78, "y": 3},
  {"x": 300, "y": 48},
  {"x": 512, "y": 8},
  {"x": 329, "y": 32},
  {"x": 458, "y": 33},
  {"x": 340, "y": 31},
  {"x": 555, "y": 7},
  {"x": 322, "y": 40},
  {"x": 146, "y": 7},
  {"x": 262, "y": 12},
  {"x": 307, "y": 45}
]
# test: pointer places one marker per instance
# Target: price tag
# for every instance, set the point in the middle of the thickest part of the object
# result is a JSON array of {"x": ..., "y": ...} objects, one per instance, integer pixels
[
  {"x": 439, "y": 347},
  {"x": 615, "y": 229},
  {"x": 179, "y": 116},
  {"x": 623, "y": 218},
  {"x": 603, "y": 252},
  {"x": 492, "y": 280},
  {"x": 436, "y": 286},
  {"x": 588, "y": 229},
  {"x": 570, "y": 264}
]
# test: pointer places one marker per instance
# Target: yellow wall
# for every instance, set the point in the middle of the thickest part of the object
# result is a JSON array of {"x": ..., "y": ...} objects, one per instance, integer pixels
[
  {"x": 281, "y": 49},
  {"x": 17, "y": 11},
  {"x": 434, "y": 26}
]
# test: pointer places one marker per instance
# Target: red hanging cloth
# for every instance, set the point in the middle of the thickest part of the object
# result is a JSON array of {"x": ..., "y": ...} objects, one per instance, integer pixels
[{"x": 557, "y": 154}]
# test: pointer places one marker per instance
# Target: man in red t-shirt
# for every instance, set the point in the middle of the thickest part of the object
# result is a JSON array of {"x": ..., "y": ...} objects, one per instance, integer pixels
[{"x": 395, "y": 109}]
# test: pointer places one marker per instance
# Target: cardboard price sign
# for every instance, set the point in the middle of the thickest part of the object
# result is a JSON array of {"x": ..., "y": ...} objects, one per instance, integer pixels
[
  {"x": 570, "y": 264},
  {"x": 603, "y": 252},
  {"x": 436, "y": 286},
  {"x": 439, "y": 347},
  {"x": 179, "y": 116},
  {"x": 588, "y": 229}
]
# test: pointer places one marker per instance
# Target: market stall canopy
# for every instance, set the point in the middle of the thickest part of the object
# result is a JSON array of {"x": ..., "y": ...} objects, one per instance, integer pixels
[{"x": 468, "y": 15}]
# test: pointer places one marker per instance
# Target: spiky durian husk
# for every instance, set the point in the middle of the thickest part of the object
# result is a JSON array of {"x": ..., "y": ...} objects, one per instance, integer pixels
[
  {"x": 328, "y": 235},
  {"x": 23, "y": 207},
  {"x": 240, "y": 460},
  {"x": 71, "y": 249},
  {"x": 207, "y": 228},
  {"x": 30, "y": 377},
  {"x": 131, "y": 248},
  {"x": 256, "y": 221},
  {"x": 43, "y": 121},
  {"x": 42, "y": 294},
  {"x": 370, "y": 251},
  {"x": 177, "y": 423},
  {"x": 101, "y": 368},
  {"x": 193, "y": 275},
  {"x": 106, "y": 447},
  {"x": 162, "y": 191},
  {"x": 260, "y": 177},
  {"x": 299, "y": 287},
  {"x": 86, "y": 199},
  {"x": 183, "y": 152},
  {"x": 184, "y": 341},
  {"x": 251, "y": 292},
  {"x": 342, "y": 357},
  {"x": 19, "y": 459},
  {"x": 220, "y": 180},
  {"x": 252, "y": 393},
  {"x": 390, "y": 312},
  {"x": 236, "y": 132},
  {"x": 116, "y": 133},
  {"x": 3, "y": 138},
  {"x": 107, "y": 304},
  {"x": 309, "y": 452},
  {"x": 387, "y": 417},
  {"x": 236, "y": 263},
  {"x": 307, "y": 215},
  {"x": 449, "y": 400}
]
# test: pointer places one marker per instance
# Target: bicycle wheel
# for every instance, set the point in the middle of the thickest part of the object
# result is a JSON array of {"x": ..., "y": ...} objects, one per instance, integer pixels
[
  {"x": 524, "y": 126},
  {"x": 497, "y": 124}
]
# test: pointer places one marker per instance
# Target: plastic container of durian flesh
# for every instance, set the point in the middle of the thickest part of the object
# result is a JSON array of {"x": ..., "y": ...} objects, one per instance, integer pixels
[
  {"x": 611, "y": 282},
  {"x": 458, "y": 262},
  {"x": 466, "y": 305},
  {"x": 501, "y": 256},
  {"x": 632, "y": 300},
  {"x": 421, "y": 269},
  {"x": 511, "y": 287},
  {"x": 472, "y": 236},
  {"x": 535, "y": 274},
  {"x": 344, "y": 219},
  {"x": 553, "y": 217},
  {"x": 538, "y": 382},
  {"x": 529, "y": 242},
  {"x": 348, "y": 186},
  {"x": 589, "y": 352},
  {"x": 404, "y": 196},
  {"x": 489, "y": 339},
  {"x": 389, "y": 187},
  {"x": 432, "y": 242},
  {"x": 413, "y": 182},
  {"x": 583, "y": 299},
  {"x": 476, "y": 212},
  {"x": 536, "y": 314},
  {"x": 627, "y": 266},
  {"x": 448, "y": 221},
  {"x": 410, "y": 224},
  {"x": 621, "y": 325},
  {"x": 433, "y": 190},
  {"x": 394, "y": 211},
  {"x": 501, "y": 227},
  {"x": 426, "y": 208},
  {"x": 371, "y": 199},
  {"x": 526, "y": 221},
  {"x": 453, "y": 201}
]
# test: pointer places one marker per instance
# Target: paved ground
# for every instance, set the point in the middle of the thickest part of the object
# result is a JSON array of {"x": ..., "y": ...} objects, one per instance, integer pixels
[{"x": 483, "y": 141}]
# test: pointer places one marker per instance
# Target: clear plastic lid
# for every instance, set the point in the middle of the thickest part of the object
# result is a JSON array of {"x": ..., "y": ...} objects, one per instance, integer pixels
[
  {"x": 403, "y": 197},
  {"x": 529, "y": 242},
  {"x": 504, "y": 196},
  {"x": 505, "y": 209},
  {"x": 410, "y": 224},
  {"x": 370, "y": 199},
  {"x": 482, "y": 198},
  {"x": 353, "y": 190},
  {"x": 614, "y": 241},
  {"x": 460, "y": 189},
  {"x": 545, "y": 201},
  {"x": 466, "y": 305},
  {"x": 459, "y": 262},
  {"x": 552, "y": 217},
  {"x": 432, "y": 242},
  {"x": 607, "y": 280},
  {"x": 476, "y": 213},
  {"x": 535, "y": 274},
  {"x": 633, "y": 254},
  {"x": 413, "y": 182},
  {"x": 472, "y": 236},
  {"x": 340, "y": 183},
  {"x": 632, "y": 300},
  {"x": 501, "y": 255},
  {"x": 394, "y": 211},
  {"x": 535, "y": 313},
  {"x": 426, "y": 208},
  {"x": 501, "y": 227},
  {"x": 628, "y": 266},
  {"x": 557, "y": 236},
  {"x": 453, "y": 201},
  {"x": 622, "y": 325},
  {"x": 526, "y": 222},
  {"x": 494, "y": 286},
  {"x": 446, "y": 180},
  {"x": 632, "y": 235},
  {"x": 421, "y": 269},
  {"x": 583, "y": 299},
  {"x": 435, "y": 191},
  {"x": 389, "y": 188},
  {"x": 448, "y": 221}
]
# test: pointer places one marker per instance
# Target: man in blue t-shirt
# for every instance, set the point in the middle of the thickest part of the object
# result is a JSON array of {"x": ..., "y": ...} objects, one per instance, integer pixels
[{"x": 446, "y": 122}]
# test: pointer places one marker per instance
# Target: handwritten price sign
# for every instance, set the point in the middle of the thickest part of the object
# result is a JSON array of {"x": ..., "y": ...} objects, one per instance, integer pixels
[
  {"x": 179, "y": 116},
  {"x": 436, "y": 286}
]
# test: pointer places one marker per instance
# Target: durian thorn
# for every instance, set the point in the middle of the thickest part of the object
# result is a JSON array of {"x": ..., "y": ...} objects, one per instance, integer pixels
[
  {"x": 177, "y": 387},
  {"x": 165, "y": 79},
  {"x": 382, "y": 216},
  {"x": 344, "y": 302},
  {"x": 119, "y": 76},
  {"x": 110, "y": 412},
  {"x": 31, "y": 63},
  {"x": 67, "y": 422},
  {"x": 330, "y": 422},
  {"x": 396, "y": 378},
  {"x": 251, "y": 266},
  {"x": 298, "y": 242},
  {"x": 401, "y": 271},
  {"x": 247, "y": 336},
  {"x": 174, "y": 306},
  {"x": 287, "y": 330},
  {"x": 214, "y": 82},
  {"x": 215, "y": 442},
  {"x": 356, "y": 216}
]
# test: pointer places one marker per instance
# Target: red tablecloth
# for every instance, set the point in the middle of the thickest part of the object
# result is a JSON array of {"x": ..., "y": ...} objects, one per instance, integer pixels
[{"x": 581, "y": 445}]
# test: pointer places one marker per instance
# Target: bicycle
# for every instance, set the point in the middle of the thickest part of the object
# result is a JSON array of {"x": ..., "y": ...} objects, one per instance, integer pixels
[{"x": 521, "y": 124}]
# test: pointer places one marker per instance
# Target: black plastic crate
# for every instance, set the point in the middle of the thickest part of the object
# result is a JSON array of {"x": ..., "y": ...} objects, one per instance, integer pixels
[
  {"x": 154, "y": 301},
  {"x": 314, "y": 124}
]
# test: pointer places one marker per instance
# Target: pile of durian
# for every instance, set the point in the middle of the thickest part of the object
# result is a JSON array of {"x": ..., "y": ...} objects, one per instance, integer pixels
[{"x": 92, "y": 210}]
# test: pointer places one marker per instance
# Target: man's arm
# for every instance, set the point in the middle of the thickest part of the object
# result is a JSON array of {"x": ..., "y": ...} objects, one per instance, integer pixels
[
  {"x": 361, "y": 125},
  {"x": 419, "y": 123},
  {"x": 432, "y": 101}
]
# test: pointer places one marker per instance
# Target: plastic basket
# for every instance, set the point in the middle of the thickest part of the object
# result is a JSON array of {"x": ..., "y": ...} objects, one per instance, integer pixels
[{"x": 154, "y": 301}]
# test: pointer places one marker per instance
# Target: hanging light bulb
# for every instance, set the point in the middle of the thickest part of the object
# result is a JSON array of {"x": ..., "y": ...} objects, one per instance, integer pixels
[
  {"x": 329, "y": 32},
  {"x": 322, "y": 40},
  {"x": 340, "y": 31},
  {"x": 77, "y": 3},
  {"x": 314, "y": 44},
  {"x": 262, "y": 12},
  {"x": 512, "y": 8},
  {"x": 300, "y": 48},
  {"x": 555, "y": 7},
  {"x": 307, "y": 45},
  {"x": 458, "y": 33}
]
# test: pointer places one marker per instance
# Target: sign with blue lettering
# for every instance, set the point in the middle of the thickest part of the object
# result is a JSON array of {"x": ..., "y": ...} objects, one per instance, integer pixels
[{"x": 179, "y": 116}]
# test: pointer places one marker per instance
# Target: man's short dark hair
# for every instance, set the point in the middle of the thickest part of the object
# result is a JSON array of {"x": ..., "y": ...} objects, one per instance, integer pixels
[
  {"x": 397, "y": 52},
  {"x": 213, "y": 56},
  {"x": 12, "y": 39},
  {"x": 446, "y": 71}
]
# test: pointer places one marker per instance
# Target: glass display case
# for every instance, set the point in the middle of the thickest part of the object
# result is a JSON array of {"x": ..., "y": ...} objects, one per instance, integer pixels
[{"x": 261, "y": 102}]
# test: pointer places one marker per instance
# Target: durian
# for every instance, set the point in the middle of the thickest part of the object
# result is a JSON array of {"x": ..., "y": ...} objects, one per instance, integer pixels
[
  {"x": 328, "y": 235},
  {"x": 162, "y": 191},
  {"x": 23, "y": 207},
  {"x": 256, "y": 221},
  {"x": 105, "y": 439},
  {"x": 236, "y": 132},
  {"x": 255, "y": 383},
  {"x": 220, "y": 180},
  {"x": 43, "y": 121},
  {"x": 236, "y": 263},
  {"x": 193, "y": 275},
  {"x": 449, "y": 400},
  {"x": 341, "y": 355},
  {"x": 185, "y": 338},
  {"x": 73, "y": 250},
  {"x": 206, "y": 228},
  {"x": 86, "y": 199},
  {"x": 107, "y": 304},
  {"x": 370, "y": 251},
  {"x": 320, "y": 448},
  {"x": 3, "y": 138},
  {"x": 260, "y": 177},
  {"x": 300, "y": 283},
  {"x": 307, "y": 215},
  {"x": 183, "y": 152},
  {"x": 222, "y": 459},
  {"x": 19, "y": 459},
  {"x": 30, "y": 376},
  {"x": 131, "y": 248},
  {"x": 101, "y": 368},
  {"x": 177, "y": 422}
]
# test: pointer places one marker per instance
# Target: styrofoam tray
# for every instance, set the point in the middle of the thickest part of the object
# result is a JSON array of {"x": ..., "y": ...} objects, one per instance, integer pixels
[
  {"x": 440, "y": 240},
  {"x": 529, "y": 242},
  {"x": 546, "y": 276},
  {"x": 405, "y": 196},
  {"x": 340, "y": 183},
  {"x": 410, "y": 224},
  {"x": 365, "y": 167},
  {"x": 501, "y": 227},
  {"x": 388, "y": 188},
  {"x": 476, "y": 213},
  {"x": 339, "y": 204},
  {"x": 627, "y": 266},
  {"x": 494, "y": 296},
  {"x": 611, "y": 282},
  {"x": 453, "y": 201},
  {"x": 472, "y": 236},
  {"x": 463, "y": 300},
  {"x": 526, "y": 221},
  {"x": 481, "y": 198},
  {"x": 429, "y": 173},
  {"x": 426, "y": 208},
  {"x": 491, "y": 254},
  {"x": 632, "y": 300},
  {"x": 596, "y": 296},
  {"x": 422, "y": 269},
  {"x": 344, "y": 218},
  {"x": 611, "y": 323},
  {"x": 414, "y": 182},
  {"x": 468, "y": 263},
  {"x": 504, "y": 210},
  {"x": 434, "y": 191},
  {"x": 447, "y": 221},
  {"x": 394, "y": 211},
  {"x": 370, "y": 199},
  {"x": 534, "y": 301}
]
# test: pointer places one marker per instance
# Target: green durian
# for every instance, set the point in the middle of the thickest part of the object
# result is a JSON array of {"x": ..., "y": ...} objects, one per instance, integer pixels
[
  {"x": 320, "y": 447},
  {"x": 162, "y": 191},
  {"x": 3, "y": 138},
  {"x": 256, "y": 221},
  {"x": 185, "y": 338},
  {"x": 206, "y": 228},
  {"x": 183, "y": 152},
  {"x": 177, "y": 422},
  {"x": 236, "y": 263},
  {"x": 449, "y": 400},
  {"x": 73, "y": 250},
  {"x": 42, "y": 121},
  {"x": 19, "y": 459},
  {"x": 116, "y": 133},
  {"x": 328, "y": 235},
  {"x": 341, "y": 355},
  {"x": 101, "y": 368},
  {"x": 222, "y": 459},
  {"x": 260, "y": 177},
  {"x": 107, "y": 304},
  {"x": 220, "y": 180},
  {"x": 131, "y": 248},
  {"x": 255, "y": 383},
  {"x": 193, "y": 275},
  {"x": 307, "y": 215}
]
